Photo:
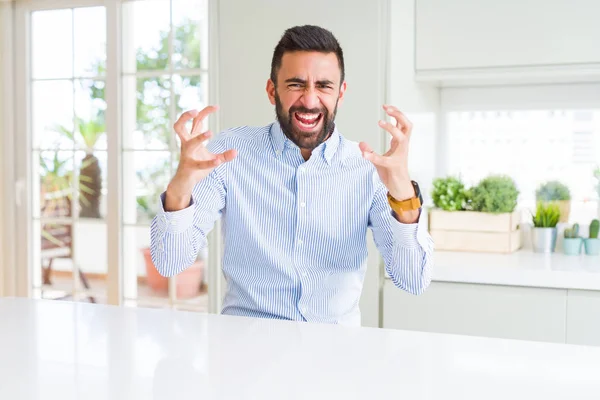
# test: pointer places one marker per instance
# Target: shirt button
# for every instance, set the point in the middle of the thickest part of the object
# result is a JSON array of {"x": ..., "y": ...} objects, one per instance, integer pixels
[
  {"x": 303, "y": 309},
  {"x": 303, "y": 204},
  {"x": 301, "y": 169},
  {"x": 300, "y": 241},
  {"x": 304, "y": 274},
  {"x": 173, "y": 223}
]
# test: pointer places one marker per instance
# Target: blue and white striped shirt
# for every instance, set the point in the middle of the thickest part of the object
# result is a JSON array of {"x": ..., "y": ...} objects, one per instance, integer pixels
[{"x": 294, "y": 231}]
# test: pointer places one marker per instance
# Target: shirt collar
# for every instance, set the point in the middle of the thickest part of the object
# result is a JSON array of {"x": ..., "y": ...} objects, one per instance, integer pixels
[{"x": 280, "y": 141}]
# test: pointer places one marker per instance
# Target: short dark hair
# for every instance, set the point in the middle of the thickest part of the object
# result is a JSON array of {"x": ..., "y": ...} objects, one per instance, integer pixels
[{"x": 306, "y": 38}]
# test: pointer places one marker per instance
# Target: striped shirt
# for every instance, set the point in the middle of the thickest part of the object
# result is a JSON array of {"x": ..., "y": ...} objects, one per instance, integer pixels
[{"x": 294, "y": 231}]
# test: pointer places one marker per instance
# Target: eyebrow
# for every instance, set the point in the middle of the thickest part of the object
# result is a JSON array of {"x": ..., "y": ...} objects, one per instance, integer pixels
[{"x": 303, "y": 81}]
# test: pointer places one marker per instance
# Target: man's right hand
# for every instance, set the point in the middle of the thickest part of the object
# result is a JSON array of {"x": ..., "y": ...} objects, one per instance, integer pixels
[{"x": 196, "y": 162}]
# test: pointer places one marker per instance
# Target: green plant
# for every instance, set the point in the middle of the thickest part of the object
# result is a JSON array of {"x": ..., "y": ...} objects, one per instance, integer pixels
[
  {"x": 573, "y": 232},
  {"x": 546, "y": 215},
  {"x": 152, "y": 182},
  {"x": 495, "y": 194},
  {"x": 552, "y": 191},
  {"x": 86, "y": 135},
  {"x": 594, "y": 227},
  {"x": 597, "y": 176},
  {"x": 449, "y": 194}
]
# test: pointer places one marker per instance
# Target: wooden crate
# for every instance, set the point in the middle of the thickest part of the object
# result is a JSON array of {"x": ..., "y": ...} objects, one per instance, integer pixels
[{"x": 475, "y": 231}]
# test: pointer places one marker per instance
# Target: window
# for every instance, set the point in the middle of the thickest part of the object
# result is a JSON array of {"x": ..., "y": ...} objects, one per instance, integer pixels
[
  {"x": 165, "y": 72},
  {"x": 532, "y": 146},
  {"x": 68, "y": 152},
  {"x": 65, "y": 154}
]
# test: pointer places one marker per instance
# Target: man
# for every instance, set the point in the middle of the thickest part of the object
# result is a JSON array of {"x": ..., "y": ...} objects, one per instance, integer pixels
[{"x": 296, "y": 197}]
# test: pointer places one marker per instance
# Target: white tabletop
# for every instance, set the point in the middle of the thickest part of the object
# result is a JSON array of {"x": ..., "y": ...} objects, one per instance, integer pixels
[
  {"x": 522, "y": 268},
  {"x": 63, "y": 351}
]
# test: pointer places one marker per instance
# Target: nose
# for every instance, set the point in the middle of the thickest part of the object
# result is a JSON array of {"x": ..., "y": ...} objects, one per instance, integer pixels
[{"x": 310, "y": 99}]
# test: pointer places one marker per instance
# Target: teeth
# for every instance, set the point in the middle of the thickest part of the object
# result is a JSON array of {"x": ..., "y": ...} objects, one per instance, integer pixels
[{"x": 308, "y": 116}]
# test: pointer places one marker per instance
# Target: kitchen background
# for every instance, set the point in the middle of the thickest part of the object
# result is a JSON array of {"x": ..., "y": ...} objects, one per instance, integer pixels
[{"x": 504, "y": 97}]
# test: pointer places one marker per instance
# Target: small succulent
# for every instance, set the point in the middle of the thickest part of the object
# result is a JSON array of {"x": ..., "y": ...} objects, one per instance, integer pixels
[
  {"x": 546, "y": 215},
  {"x": 573, "y": 232},
  {"x": 594, "y": 227}
]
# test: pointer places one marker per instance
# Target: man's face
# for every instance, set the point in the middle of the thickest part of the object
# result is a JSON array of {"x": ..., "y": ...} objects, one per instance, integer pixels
[{"x": 307, "y": 95}]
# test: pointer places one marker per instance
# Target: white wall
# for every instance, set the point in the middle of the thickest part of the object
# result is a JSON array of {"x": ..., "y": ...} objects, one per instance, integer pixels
[
  {"x": 245, "y": 51},
  {"x": 421, "y": 102},
  {"x": 2, "y": 146},
  {"x": 6, "y": 154}
]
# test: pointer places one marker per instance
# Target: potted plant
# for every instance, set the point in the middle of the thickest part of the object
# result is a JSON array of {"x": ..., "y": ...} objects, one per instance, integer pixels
[
  {"x": 482, "y": 218},
  {"x": 543, "y": 233},
  {"x": 88, "y": 134},
  {"x": 592, "y": 244},
  {"x": 555, "y": 191},
  {"x": 572, "y": 241},
  {"x": 449, "y": 194},
  {"x": 495, "y": 194}
]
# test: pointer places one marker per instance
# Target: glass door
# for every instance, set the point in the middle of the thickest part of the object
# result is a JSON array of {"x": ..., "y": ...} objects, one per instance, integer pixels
[
  {"x": 103, "y": 84},
  {"x": 165, "y": 72},
  {"x": 67, "y": 152}
]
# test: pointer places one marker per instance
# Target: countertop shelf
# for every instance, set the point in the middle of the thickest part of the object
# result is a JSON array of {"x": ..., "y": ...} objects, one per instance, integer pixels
[{"x": 522, "y": 268}]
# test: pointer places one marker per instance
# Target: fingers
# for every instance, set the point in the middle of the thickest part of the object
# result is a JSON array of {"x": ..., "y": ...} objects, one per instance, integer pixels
[
  {"x": 201, "y": 137},
  {"x": 402, "y": 123},
  {"x": 197, "y": 123},
  {"x": 217, "y": 160},
  {"x": 393, "y": 130},
  {"x": 229, "y": 155},
  {"x": 375, "y": 158},
  {"x": 179, "y": 125},
  {"x": 198, "y": 117},
  {"x": 365, "y": 148}
]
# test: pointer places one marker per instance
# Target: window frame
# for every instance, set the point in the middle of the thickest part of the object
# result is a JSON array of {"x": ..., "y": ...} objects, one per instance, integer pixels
[{"x": 22, "y": 137}]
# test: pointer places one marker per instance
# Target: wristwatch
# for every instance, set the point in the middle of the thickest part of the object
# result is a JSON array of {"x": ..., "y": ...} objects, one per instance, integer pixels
[{"x": 414, "y": 203}]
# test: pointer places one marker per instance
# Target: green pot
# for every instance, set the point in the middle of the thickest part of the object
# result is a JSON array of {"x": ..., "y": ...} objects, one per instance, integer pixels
[
  {"x": 572, "y": 246},
  {"x": 592, "y": 247}
]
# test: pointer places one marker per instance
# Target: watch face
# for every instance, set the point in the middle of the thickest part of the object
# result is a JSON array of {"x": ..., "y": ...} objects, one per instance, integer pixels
[{"x": 417, "y": 192}]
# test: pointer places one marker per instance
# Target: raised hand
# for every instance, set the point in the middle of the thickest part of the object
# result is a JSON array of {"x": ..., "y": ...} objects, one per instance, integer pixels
[
  {"x": 393, "y": 165},
  {"x": 196, "y": 161}
]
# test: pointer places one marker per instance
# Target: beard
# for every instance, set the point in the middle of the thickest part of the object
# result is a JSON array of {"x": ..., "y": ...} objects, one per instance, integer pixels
[{"x": 303, "y": 139}]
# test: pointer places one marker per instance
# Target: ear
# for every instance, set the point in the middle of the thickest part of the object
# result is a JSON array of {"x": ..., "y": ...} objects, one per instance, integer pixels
[
  {"x": 342, "y": 92},
  {"x": 271, "y": 91}
]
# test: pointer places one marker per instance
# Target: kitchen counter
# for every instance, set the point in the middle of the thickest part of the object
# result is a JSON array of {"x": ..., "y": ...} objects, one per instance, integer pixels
[
  {"x": 522, "y": 268},
  {"x": 62, "y": 350}
]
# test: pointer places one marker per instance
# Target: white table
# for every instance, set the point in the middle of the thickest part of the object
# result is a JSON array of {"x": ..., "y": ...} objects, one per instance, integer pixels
[{"x": 62, "y": 350}]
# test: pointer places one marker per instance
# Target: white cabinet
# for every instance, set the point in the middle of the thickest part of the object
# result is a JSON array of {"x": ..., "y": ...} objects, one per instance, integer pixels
[
  {"x": 480, "y": 310},
  {"x": 488, "y": 34},
  {"x": 583, "y": 317}
]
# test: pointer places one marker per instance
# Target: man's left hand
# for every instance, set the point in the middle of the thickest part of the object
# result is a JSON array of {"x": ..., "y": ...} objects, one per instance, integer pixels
[{"x": 393, "y": 165}]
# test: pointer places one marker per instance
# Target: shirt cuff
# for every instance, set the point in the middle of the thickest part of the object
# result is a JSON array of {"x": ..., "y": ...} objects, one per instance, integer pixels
[
  {"x": 175, "y": 221},
  {"x": 410, "y": 235}
]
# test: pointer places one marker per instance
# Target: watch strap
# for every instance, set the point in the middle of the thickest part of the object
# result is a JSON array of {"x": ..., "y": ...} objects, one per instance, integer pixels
[{"x": 400, "y": 206}]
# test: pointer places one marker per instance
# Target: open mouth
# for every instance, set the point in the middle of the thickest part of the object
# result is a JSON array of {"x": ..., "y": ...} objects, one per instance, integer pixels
[{"x": 307, "y": 121}]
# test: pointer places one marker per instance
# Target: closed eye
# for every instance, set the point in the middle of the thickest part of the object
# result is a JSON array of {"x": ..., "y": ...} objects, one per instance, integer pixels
[{"x": 325, "y": 86}]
